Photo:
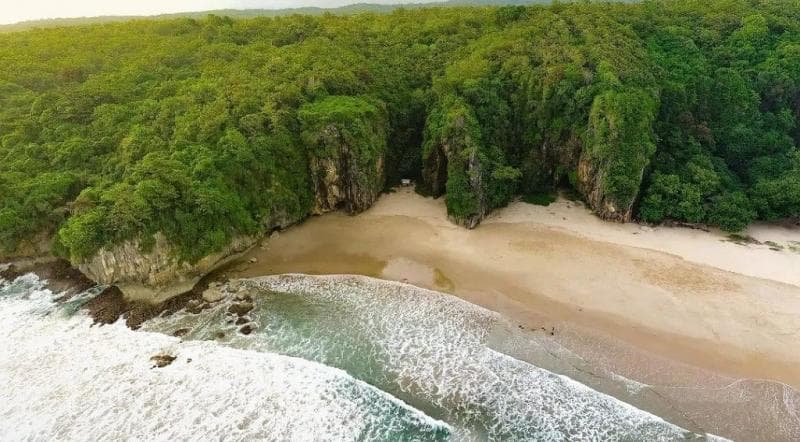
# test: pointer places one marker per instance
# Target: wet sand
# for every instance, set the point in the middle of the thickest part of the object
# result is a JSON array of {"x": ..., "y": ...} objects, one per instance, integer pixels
[{"x": 737, "y": 314}]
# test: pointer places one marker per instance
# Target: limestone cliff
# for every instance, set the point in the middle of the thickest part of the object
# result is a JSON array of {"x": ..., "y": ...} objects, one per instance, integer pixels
[
  {"x": 453, "y": 163},
  {"x": 619, "y": 147},
  {"x": 606, "y": 166},
  {"x": 157, "y": 274},
  {"x": 346, "y": 141},
  {"x": 340, "y": 179}
]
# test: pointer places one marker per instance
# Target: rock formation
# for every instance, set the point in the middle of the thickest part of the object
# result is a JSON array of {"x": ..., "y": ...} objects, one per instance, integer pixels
[
  {"x": 346, "y": 141},
  {"x": 340, "y": 179},
  {"x": 157, "y": 274}
]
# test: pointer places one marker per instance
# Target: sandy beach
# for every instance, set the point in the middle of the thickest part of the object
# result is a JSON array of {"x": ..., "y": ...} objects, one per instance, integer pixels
[{"x": 687, "y": 295}]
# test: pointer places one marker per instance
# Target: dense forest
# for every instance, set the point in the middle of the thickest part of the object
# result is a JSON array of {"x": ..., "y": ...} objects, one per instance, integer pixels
[
  {"x": 355, "y": 8},
  {"x": 203, "y": 130}
]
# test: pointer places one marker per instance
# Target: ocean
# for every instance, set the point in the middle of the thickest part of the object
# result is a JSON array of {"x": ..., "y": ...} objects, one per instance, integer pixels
[{"x": 340, "y": 358}]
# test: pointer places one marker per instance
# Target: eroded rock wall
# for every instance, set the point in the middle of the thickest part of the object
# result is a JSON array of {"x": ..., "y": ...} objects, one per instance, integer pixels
[
  {"x": 340, "y": 180},
  {"x": 156, "y": 274},
  {"x": 346, "y": 141}
]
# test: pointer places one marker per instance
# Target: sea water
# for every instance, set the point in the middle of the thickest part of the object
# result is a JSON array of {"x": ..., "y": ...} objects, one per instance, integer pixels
[{"x": 331, "y": 358}]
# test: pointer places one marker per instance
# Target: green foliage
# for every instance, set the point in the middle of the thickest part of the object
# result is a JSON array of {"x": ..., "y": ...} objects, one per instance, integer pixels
[
  {"x": 360, "y": 124},
  {"x": 731, "y": 212},
  {"x": 620, "y": 141},
  {"x": 539, "y": 199},
  {"x": 204, "y": 128}
]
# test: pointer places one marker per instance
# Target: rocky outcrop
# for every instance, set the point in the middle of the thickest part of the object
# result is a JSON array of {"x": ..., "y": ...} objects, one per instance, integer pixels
[
  {"x": 340, "y": 178},
  {"x": 452, "y": 163},
  {"x": 346, "y": 141},
  {"x": 157, "y": 274},
  {"x": 620, "y": 145},
  {"x": 590, "y": 179}
]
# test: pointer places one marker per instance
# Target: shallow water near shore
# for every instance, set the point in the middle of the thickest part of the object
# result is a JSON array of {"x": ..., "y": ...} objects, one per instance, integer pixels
[{"x": 342, "y": 358}]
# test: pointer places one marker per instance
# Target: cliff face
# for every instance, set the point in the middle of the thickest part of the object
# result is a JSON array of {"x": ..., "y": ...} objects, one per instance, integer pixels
[
  {"x": 155, "y": 275},
  {"x": 590, "y": 178},
  {"x": 346, "y": 142},
  {"x": 604, "y": 157},
  {"x": 453, "y": 163},
  {"x": 619, "y": 147},
  {"x": 342, "y": 181}
]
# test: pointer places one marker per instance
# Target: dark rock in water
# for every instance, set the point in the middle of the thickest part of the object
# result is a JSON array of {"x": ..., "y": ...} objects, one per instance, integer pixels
[
  {"x": 195, "y": 306},
  {"x": 59, "y": 275},
  {"x": 163, "y": 360},
  {"x": 180, "y": 332},
  {"x": 219, "y": 335},
  {"x": 247, "y": 329},
  {"x": 11, "y": 273},
  {"x": 111, "y": 304},
  {"x": 140, "y": 312},
  {"x": 108, "y": 306},
  {"x": 243, "y": 295},
  {"x": 213, "y": 294},
  {"x": 242, "y": 320},
  {"x": 241, "y": 308},
  {"x": 63, "y": 278}
]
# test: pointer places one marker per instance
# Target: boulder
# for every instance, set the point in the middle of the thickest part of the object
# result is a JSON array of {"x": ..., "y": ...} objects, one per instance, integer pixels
[
  {"x": 162, "y": 360},
  {"x": 241, "y": 308},
  {"x": 213, "y": 294}
]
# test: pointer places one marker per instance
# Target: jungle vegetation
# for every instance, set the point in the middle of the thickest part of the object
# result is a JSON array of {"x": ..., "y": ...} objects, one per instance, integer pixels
[{"x": 202, "y": 128}]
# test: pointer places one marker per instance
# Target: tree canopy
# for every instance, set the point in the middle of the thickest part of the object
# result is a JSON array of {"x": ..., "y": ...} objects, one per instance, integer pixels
[{"x": 203, "y": 129}]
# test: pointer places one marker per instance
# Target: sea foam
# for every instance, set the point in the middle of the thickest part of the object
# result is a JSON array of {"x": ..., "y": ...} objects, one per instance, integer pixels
[
  {"x": 63, "y": 379},
  {"x": 430, "y": 350}
]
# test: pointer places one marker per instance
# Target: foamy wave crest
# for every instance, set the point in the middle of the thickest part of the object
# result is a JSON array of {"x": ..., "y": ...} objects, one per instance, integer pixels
[
  {"x": 430, "y": 350},
  {"x": 63, "y": 379}
]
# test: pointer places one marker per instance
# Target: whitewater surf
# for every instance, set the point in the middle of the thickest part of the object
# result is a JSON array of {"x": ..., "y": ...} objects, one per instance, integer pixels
[{"x": 333, "y": 358}]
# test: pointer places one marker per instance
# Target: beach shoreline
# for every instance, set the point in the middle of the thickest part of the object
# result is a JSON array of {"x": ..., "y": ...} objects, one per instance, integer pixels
[{"x": 527, "y": 264}]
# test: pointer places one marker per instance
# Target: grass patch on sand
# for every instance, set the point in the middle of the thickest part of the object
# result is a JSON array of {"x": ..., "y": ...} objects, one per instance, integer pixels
[
  {"x": 743, "y": 239},
  {"x": 442, "y": 281}
]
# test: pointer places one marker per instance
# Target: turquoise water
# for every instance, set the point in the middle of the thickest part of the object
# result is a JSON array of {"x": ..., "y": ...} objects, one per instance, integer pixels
[
  {"x": 331, "y": 358},
  {"x": 429, "y": 350}
]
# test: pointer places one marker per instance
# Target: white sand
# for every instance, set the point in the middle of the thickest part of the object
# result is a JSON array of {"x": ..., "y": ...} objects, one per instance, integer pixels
[
  {"x": 712, "y": 248},
  {"x": 684, "y": 294}
]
